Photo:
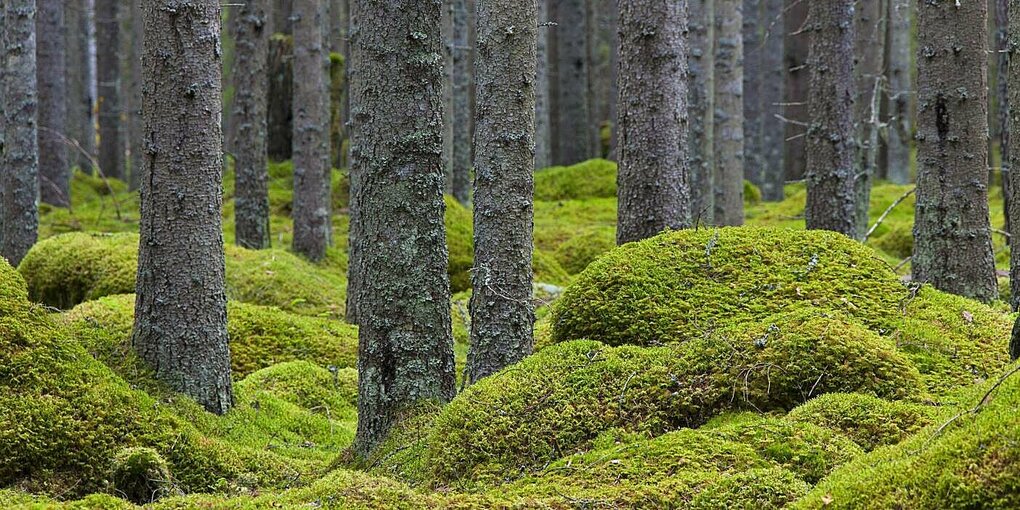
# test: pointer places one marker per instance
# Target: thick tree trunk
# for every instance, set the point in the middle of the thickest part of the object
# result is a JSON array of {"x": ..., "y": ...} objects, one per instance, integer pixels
[
  {"x": 312, "y": 228},
  {"x": 279, "y": 112},
  {"x": 19, "y": 180},
  {"x": 952, "y": 237},
  {"x": 729, "y": 109},
  {"x": 111, "y": 146},
  {"x": 403, "y": 298},
  {"x": 798, "y": 77},
  {"x": 54, "y": 169},
  {"x": 543, "y": 136},
  {"x": 575, "y": 121},
  {"x": 461, "y": 102},
  {"x": 900, "y": 90},
  {"x": 251, "y": 185},
  {"x": 753, "y": 70},
  {"x": 869, "y": 51},
  {"x": 701, "y": 108},
  {"x": 773, "y": 88},
  {"x": 502, "y": 314},
  {"x": 1012, "y": 158},
  {"x": 653, "y": 180},
  {"x": 136, "y": 124},
  {"x": 831, "y": 191},
  {"x": 181, "y": 305}
]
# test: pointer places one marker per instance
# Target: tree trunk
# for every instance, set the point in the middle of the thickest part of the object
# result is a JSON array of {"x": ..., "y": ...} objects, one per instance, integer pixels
[
  {"x": 797, "y": 88},
  {"x": 831, "y": 191},
  {"x": 543, "y": 136},
  {"x": 461, "y": 103},
  {"x": 19, "y": 180},
  {"x": 729, "y": 110},
  {"x": 251, "y": 195},
  {"x": 502, "y": 314},
  {"x": 575, "y": 121},
  {"x": 900, "y": 90},
  {"x": 54, "y": 170},
  {"x": 952, "y": 237},
  {"x": 136, "y": 124},
  {"x": 753, "y": 70},
  {"x": 701, "y": 108},
  {"x": 654, "y": 193},
  {"x": 77, "y": 100},
  {"x": 312, "y": 228},
  {"x": 869, "y": 51},
  {"x": 181, "y": 319},
  {"x": 773, "y": 88},
  {"x": 1012, "y": 159},
  {"x": 403, "y": 298},
  {"x": 1002, "y": 95},
  {"x": 111, "y": 148},
  {"x": 283, "y": 10},
  {"x": 446, "y": 35},
  {"x": 279, "y": 113}
]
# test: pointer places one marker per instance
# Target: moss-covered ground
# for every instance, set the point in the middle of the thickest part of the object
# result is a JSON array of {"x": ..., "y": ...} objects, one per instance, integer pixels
[{"x": 754, "y": 367}]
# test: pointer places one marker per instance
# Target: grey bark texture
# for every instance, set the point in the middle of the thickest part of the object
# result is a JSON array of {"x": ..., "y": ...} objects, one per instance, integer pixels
[
  {"x": 136, "y": 124},
  {"x": 654, "y": 174},
  {"x": 111, "y": 147},
  {"x": 575, "y": 137},
  {"x": 251, "y": 178},
  {"x": 180, "y": 325},
  {"x": 1014, "y": 341},
  {"x": 1003, "y": 54},
  {"x": 405, "y": 353},
  {"x": 729, "y": 109},
  {"x": 446, "y": 34},
  {"x": 461, "y": 114},
  {"x": 312, "y": 227},
  {"x": 502, "y": 315},
  {"x": 952, "y": 236},
  {"x": 54, "y": 169},
  {"x": 282, "y": 21},
  {"x": 901, "y": 14},
  {"x": 772, "y": 97},
  {"x": 1012, "y": 158},
  {"x": 869, "y": 68},
  {"x": 754, "y": 69},
  {"x": 543, "y": 135},
  {"x": 78, "y": 101},
  {"x": 701, "y": 109},
  {"x": 798, "y": 78},
  {"x": 831, "y": 151},
  {"x": 279, "y": 113},
  {"x": 19, "y": 180}
]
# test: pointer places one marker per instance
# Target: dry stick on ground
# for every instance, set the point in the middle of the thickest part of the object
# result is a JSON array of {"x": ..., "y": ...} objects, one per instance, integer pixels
[{"x": 886, "y": 213}]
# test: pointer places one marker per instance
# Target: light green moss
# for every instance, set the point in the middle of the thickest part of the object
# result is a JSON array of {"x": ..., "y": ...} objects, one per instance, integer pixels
[
  {"x": 66, "y": 270},
  {"x": 460, "y": 242},
  {"x": 752, "y": 194},
  {"x": 548, "y": 270},
  {"x": 558, "y": 221},
  {"x": 141, "y": 475},
  {"x": 867, "y": 420},
  {"x": 577, "y": 252},
  {"x": 756, "y": 489},
  {"x": 594, "y": 178}
]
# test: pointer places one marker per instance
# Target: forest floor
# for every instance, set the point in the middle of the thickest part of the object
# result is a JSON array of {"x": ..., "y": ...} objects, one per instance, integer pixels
[{"x": 755, "y": 367}]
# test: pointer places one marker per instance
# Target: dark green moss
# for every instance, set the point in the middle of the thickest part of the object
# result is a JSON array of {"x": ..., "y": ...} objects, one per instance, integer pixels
[
  {"x": 867, "y": 420},
  {"x": 577, "y": 252}
]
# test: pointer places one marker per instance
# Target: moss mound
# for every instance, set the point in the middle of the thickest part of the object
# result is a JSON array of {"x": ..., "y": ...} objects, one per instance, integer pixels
[
  {"x": 677, "y": 285},
  {"x": 581, "y": 250},
  {"x": 752, "y": 490},
  {"x": 280, "y": 278},
  {"x": 867, "y": 420},
  {"x": 594, "y": 178},
  {"x": 460, "y": 242},
  {"x": 141, "y": 475},
  {"x": 556, "y": 402},
  {"x": 972, "y": 461}
]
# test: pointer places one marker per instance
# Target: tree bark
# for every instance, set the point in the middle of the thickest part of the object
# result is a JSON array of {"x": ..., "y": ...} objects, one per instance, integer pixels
[
  {"x": 729, "y": 109},
  {"x": 283, "y": 10},
  {"x": 900, "y": 89},
  {"x": 1002, "y": 53},
  {"x": 111, "y": 147},
  {"x": 461, "y": 102},
  {"x": 653, "y": 181},
  {"x": 952, "y": 237},
  {"x": 19, "y": 181},
  {"x": 180, "y": 325},
  {"x": 1012, "y": 158},
  {"x": 798, "y": 87},
  {"x": 403, "y": 298},
  {"x": 831, "y": 191},
  {"x": 701, "y": 108},
  {"x": 251, "y": 184},
  {"x": 575, "y": 121},
  {"x": 54, "y": 169},
  {"x": 753, "y": 70},
  {"x": 136, "y": 124},
  {"x": 312, "y": 228},
  {"x": 280, "y": 113},
  {"x": 869, "y": 51},
  {"x": 543, "y": 135},
  {"x": 502, "y": 314},
  {"x": 773, "y": 89}
]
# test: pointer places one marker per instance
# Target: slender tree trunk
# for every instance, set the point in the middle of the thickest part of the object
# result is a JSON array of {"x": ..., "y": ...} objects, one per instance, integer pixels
[
  {"x": 344, "y": 49},
  {"x": 543, "y": 140},
  {"x": 312, "y": 228},
  {"x": 75, "y": 76},
  {"x": 614, "y": 77},
  {"x": 797, "y": 87},
  {"x": 19, "y": 180},
  {"x": 831, "y": 191},
  {"x": 869, "y": 51},
  {"x": 900, "y": 89},
  {"x": 136, "y": 124},
  {"x": 952, "y": 237},
  {"x": 729, "y": 109},
  {"x": 575, "y": 121},
  {"x": 111, "y": 148},
  {"x": 54, "y": 169},
  {"x": 180, "y": 326},
  {"x": 251, "y": 195},
  {"x": 461, "y": 104},
  {"x": 701, "y": 108},
  {"x": 502, "y": 314},
  {"x": 283, "y": 10},
  {"x": 553, "y": 70},
  {"x": 1002, "y": 93},
  {"x": 1012, "y": 158},
  {"x": 446, "y": 34},
  {"x": 753, "y": 82},
  {"x": 654, "y": 187},
  {"x": 403, "y": 298},
  {"x": 773, "y": 88},
  {"x": 280, "y": 112}
]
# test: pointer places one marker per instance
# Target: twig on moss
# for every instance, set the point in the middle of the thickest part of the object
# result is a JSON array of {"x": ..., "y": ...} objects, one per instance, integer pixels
[
  {"x": 981, "y": 403},
  {"x": 885, "y": 214}
]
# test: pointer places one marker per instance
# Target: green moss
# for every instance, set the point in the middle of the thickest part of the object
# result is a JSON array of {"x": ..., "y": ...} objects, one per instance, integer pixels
[
  {"x": 867, "y": 420},
  {"x": 756, "y": 489},
  {"x": 65, "y": 270},
  {"x": 558, "y": 221},
  {"x": 594, "y": 178},
  {"x": 752, "y": 194},
  {"x": 548, "y": 270},
  {"x": 577, "y": 252},
  {"x": 141, "y": 475},
  {"x": 460, "y": 242},
  {"x": 279, "y": 278}
]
